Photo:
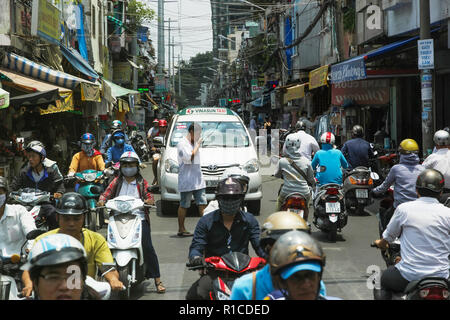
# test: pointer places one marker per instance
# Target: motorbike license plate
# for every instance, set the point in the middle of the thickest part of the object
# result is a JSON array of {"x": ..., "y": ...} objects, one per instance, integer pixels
[
  {"x": 297, "y": 211},
  {"x": 333, "y": 217},
  {"x": 362, "y": 193},
  {"x": 332, "y": 207}
]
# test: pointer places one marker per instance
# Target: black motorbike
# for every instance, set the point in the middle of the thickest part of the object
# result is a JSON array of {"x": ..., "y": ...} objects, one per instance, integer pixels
[
  {"x": 140, "y": 146},
  {"x": 357, "y": 186},
  {"x": 330, "y": 215}
]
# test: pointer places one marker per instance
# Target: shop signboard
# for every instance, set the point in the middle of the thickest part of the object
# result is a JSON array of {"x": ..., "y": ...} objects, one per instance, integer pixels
[
  {"x": 364, "y": 92},
  {"x": 351, "y": 70},
  {"x": 426, "y": 54},
  {"x": 4, "y": 99},
  {"x": 63, "y": 105},
  {"x": 45, "y": 21},
  {"x": 256, "y": 89},
  {"x": 318, "y": 77}
]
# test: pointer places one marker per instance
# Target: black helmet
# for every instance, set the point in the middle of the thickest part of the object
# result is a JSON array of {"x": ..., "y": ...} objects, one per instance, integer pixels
[
  {"x": 4, "y": 184},
  {"x": 358, "y": 131},
  {"x": 300, "y": 125},
  {"x": 229, "y": 187},
  {"x": 430, "y": 179},
  {"x": 72, "y": 203}
]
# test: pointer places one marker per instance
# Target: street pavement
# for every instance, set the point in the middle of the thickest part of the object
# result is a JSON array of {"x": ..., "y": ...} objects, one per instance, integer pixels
[{"x": 347, "y": 260}]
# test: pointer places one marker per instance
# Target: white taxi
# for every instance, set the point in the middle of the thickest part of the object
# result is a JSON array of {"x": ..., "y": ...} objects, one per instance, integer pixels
[{"x": 226, "y": 143}]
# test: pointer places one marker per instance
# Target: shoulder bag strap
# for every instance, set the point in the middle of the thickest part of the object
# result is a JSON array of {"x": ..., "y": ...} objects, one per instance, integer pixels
[
  {"x": 254, "y": 285},
  {"x": 295, "y": 166}
]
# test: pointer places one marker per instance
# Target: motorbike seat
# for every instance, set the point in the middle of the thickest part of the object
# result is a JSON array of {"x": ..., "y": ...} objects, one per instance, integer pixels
[{"x": 426, "y": 282}]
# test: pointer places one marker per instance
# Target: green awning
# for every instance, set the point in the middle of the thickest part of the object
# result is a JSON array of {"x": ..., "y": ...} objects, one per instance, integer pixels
[{"x": 116, "y": 90}]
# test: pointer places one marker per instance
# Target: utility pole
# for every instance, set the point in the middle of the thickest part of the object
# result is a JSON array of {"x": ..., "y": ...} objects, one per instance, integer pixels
[
  {"x": 169, "y": 55},
  {"x": 173, "y": 63},
  {"x": 179, "y": 76},
  {"x": 161, "y": 51},
  {"x": 426, "y": 79}
]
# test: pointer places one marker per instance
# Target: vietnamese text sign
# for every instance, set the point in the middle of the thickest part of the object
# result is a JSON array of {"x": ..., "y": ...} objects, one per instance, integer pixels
[
  {"x": 364, "y": 92},
  {"x": 45, "y": 21},
  {"x": 426, "y": 54},
  {"x": 318, "y": 77},
  {"x": 351, "y": 70}
]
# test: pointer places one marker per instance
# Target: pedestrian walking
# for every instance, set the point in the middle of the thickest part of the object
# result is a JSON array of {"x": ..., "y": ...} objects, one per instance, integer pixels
[{"x": 190, "y": 178}]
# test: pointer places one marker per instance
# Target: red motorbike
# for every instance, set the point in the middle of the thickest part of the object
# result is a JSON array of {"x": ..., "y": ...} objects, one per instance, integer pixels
[
  {"x": 226, "y": 269},
  {"x": 385, "y": 163}
]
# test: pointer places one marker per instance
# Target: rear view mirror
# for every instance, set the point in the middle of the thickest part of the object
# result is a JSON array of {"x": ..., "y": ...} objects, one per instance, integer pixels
[
  {"x": 159, "y": 141},
  {"x": 34, "y": 234}
]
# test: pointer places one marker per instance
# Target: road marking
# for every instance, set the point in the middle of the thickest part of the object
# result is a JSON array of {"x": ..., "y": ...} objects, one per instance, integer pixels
[{"x": 332, "y": 248}]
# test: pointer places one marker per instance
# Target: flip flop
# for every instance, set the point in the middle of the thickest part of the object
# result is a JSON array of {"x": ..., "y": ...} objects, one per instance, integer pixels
[{"x": 185, "y": 234}]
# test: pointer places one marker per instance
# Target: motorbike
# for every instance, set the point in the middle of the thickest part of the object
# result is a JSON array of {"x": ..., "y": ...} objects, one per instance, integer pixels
[
  {"x": 226, "y": 269},
  {"x": 329, "y": 210},
  {"x": 32, "y": 199},
  {"x": 10, "y": 273},
  {"x": 124, "y": 239},
  {"x": 296, "y": 203},
  {"x": 111, "y": 171},
  {"x": 91, "y": 187},
  {"x": 385, "y": 162},
  {"x": 357, "y": 185},
  {"x": 140, "y": 146},
  {"x": 427, "y": 288}
]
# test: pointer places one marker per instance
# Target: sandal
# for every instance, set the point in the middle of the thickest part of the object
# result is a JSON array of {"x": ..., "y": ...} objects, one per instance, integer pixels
[
  {"x": 159, "y": 287},
  {"x": 185, "y": 234}
]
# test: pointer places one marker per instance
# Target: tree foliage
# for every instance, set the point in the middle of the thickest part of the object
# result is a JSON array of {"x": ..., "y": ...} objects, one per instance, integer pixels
[{"x": 140, "y": 13}]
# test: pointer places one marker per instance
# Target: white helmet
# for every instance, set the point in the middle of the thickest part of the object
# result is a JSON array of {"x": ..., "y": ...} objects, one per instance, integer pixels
[
  {"x": 442, "y": 138},
  {"x": 129, "y": 156},
  {"x": 55, "y": 249},
  {"x": 293, "y": 144},
  {"x": 327, "y": 137}
]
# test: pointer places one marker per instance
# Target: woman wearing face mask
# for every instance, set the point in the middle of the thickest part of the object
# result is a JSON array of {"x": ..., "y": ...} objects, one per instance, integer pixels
[
  {"x": 227, "y": 229},
  {"x": 131, "y": 183},
  {"x": 88, "y": 157},
  {"x": 120, "y": 147}
]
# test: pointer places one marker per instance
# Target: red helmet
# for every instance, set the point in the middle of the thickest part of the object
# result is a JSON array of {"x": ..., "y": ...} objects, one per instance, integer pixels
[
  {"x": 155, "y": 120},
  {"x": 162, "y": 123}
]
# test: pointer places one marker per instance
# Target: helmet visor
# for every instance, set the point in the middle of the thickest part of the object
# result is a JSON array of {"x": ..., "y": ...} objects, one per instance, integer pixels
[{"x": 302, "y": 266}]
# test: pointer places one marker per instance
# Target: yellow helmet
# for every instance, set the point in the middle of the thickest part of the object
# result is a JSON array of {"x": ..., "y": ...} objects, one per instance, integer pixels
[
  {"x": 408, "y": 146},
  {"x": 279, "y": 223}
]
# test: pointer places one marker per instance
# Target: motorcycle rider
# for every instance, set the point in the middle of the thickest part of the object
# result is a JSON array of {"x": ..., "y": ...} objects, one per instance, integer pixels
[
  {"x": 57, "y": 265},
  {"x": 424, "y": 226},
  {"x": 258, "y": 285},
  {"x": 440, "y": 160},
  {"x": 88, "y": 157},
  {"x": 309, "y": 145},
  {"x": 162, "y": 128},
  {"x": 288, "y": 169},
  {"x": 107, "y": 141},
  {"x": 328, "y": 161},
  {"x": 71, "y": 215},
  {"x": 120, "y": 147},
  {"x": 403, "y": 176},
  {"x": 15, "y": 223},
  {"x": 227, "y": 229},
  {"x": 131, "y": 183},
  {"x": 153, "y": 130},
  {"x": 47, "y": 162},
  {"x": 35, "y": 175},
  {"x": 296, "y": 263},
  {"x": 357, "y": 151}
]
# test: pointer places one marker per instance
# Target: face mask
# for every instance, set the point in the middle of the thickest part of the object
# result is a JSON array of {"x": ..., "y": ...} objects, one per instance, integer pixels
[
  {"x": 2, "y": 199},
  {"x": 88, "y": 149},
  {"x": 229, "y": 207},
  {"x": 129, "y": 172},
  {"x": 120, "y": 141}
]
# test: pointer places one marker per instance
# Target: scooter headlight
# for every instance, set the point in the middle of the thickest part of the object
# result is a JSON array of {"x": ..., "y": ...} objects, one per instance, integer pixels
[
  {"x": 123, "y": 206},
  {"x": 90, "y": 177}
]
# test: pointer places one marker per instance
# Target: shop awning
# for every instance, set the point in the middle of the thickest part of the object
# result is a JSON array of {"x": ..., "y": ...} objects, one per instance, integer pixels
[
  {"x": 294, "y": 92},
  {"x": 27, "y": 67},
  {"x": 79, "y": 63},
  {"x": 36, "y": 99},
  {"x": 4, "y": 99},
  {"x": 116, "y": 91},
  {"x": 355, "y": 68}
]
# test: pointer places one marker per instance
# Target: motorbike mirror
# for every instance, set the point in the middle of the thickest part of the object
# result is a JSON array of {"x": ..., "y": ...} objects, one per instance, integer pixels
[
  {"x": 152, "y": 189},
  {"x": 108, "y": 164},
  {"x": 159, "y": 140},
  {"x": 374, "y": 176},
  {"x": 34, "y": 234}
]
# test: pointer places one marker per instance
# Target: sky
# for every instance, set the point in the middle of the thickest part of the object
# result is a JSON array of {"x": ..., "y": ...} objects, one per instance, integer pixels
[{"x": 192, "y": 33}]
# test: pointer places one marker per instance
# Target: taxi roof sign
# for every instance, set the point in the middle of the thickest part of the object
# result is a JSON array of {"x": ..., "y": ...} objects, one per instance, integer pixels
[{"x": 206, "y": 110}]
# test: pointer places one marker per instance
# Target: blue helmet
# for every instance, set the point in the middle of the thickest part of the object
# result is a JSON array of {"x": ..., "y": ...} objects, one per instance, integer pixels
[{"x": 88, "y": 138}]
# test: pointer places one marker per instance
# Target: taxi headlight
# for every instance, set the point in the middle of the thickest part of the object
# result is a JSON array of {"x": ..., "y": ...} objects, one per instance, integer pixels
[
  {"x": 171, "y": 166},
  {"x": 251, "y": 166}
]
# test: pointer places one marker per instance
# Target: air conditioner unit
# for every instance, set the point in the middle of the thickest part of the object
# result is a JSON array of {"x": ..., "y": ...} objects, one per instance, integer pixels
[{"x": 394, "y": 4}]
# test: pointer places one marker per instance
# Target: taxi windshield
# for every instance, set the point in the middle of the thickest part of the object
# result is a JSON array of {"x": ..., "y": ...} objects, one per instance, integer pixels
[{"x": 215, "y": 134}]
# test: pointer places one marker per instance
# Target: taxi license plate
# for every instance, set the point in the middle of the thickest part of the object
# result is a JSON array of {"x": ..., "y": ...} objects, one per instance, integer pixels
[
  {"x": 362, "y": 193},
  {"x": 212, "y": 183},
  {"x": 332, "y": 207}
]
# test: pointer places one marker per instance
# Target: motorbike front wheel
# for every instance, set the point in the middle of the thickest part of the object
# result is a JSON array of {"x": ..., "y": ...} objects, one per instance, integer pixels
[
  {"x": 123, "y": 277},
  {"x": 92, "y": 220}
]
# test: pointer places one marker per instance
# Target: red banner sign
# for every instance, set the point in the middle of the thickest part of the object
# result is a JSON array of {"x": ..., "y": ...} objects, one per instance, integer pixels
[{"x": 363, "y": 92}]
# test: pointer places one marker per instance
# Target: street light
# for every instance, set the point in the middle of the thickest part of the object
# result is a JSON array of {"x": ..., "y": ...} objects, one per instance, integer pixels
[
  {"x": 223, "y": 37},
  {"x": 252, "y": 4},
  {"x": 216, "y": 59}
]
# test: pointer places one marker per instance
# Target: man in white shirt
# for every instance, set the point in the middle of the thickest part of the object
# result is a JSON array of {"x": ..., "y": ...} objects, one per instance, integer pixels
[
  {"x": 309, "y": 145},
  {"x": 190, "y": 177},
  {"x": 309, "y": 126},
  {"x": 15, "y": 223},
  {"x": 440, "y": 160},
  {"x": 423, "y": 227}
]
